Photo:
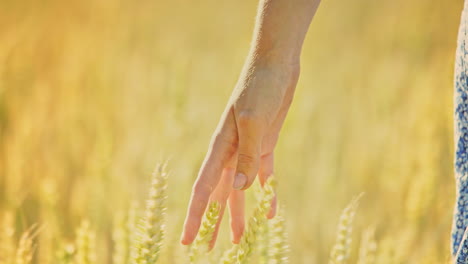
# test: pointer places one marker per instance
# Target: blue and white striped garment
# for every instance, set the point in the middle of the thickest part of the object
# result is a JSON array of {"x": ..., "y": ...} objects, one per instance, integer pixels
[{"x": 460, "y": 220}]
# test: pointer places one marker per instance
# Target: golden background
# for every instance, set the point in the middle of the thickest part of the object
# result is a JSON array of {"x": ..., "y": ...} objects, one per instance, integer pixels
[{"x": 94, "y": 93}]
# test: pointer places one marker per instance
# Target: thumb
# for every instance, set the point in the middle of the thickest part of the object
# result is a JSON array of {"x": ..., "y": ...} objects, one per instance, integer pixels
[{"x": 249, "y": 148}]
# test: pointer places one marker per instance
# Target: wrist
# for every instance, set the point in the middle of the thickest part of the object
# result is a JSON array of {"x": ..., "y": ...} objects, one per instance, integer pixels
[
  {"x": 280, "y": 64},
  {"x": 275, "y": 55}
]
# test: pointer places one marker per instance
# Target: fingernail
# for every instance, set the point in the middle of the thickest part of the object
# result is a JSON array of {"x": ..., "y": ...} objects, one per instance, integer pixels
[{"x": 239, "y": 181}]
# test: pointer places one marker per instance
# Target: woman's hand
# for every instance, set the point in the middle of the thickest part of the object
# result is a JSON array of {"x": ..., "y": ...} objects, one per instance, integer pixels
[{"x": 243, "y": 144}]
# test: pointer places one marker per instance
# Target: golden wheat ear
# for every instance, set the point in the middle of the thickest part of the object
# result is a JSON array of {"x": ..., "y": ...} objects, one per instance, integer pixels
[
  {"x": 148, "y": 243},
  {"x": 26, "y": 247},
  {"x": 278, "y": 248},
  {"x": 240, "y": 253},
  {"x": 200, "y": 246},
  {"x": 342, "y": 249}
]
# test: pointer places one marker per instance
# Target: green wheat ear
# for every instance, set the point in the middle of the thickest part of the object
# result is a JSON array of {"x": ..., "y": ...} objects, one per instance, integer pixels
[
  {"x": 205, "y": 235},
  {"x": 240, "y": 253},
  {"x": 151, "y": 231},
  {"x": 342, "y": 248}
]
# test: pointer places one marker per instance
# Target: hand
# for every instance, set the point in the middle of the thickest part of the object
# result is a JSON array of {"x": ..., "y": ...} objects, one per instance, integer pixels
[
  {"x": 245, "y": 138},
  {"x": 243, "y": 144}
]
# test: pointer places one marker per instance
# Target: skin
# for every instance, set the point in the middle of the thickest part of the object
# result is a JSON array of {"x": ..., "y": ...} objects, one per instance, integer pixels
[{"x": 243, "y": 143}]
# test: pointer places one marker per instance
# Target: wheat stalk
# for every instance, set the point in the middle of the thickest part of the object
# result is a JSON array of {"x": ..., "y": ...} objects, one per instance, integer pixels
[{"x": 151, "y": 233}]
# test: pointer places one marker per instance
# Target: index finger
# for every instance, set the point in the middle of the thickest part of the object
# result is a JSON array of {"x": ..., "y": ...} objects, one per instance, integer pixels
[
  {"x": 221, "y": 150},
  {"x": 202, "y": 189}
]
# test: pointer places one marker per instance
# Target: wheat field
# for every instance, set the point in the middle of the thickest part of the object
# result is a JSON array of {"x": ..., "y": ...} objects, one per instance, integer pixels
[{"x": 94, "y": 93}]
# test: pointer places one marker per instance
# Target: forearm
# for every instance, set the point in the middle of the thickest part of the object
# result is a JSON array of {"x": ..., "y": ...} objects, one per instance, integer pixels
[{"x": 280, "y": 29}]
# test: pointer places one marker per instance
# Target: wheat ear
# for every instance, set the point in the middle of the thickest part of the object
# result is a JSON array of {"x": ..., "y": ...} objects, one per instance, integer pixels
[
  {"x": 244, "y": 249},
  {"x": 25, "y": 250},
  {"x": 278, "y": 246},
  {"x": 205, "y": 234},
  {"x": 342, "y": 248},
  {"x": 151, "y": 233}
]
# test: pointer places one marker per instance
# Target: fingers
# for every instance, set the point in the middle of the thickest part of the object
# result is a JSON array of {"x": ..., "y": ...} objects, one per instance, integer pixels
[
  {"x": 250, "y": 131},
  {"x": 221, "y": 151},
  {"x": 204, "y": 186},
  {"x": 200, "y": 195},
  {"x": 236, "y": 213},
  {"x": 221, "y": 195},
  {"x": 265, "y": 171}
]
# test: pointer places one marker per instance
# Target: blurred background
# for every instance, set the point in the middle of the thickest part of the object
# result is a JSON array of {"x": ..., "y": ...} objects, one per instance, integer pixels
[{"x": 94, "y": 93}]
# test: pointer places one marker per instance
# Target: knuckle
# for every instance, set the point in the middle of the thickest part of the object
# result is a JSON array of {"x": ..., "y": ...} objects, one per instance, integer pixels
[
  {"x": 248, "y": 118},
  {"x": 247, "y": 160},
  {"x": 202, "y": 189},
  {"x": 219, "y": 140}
]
